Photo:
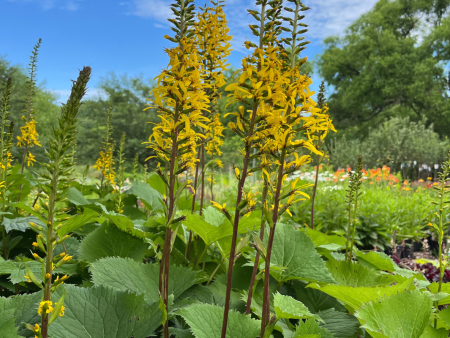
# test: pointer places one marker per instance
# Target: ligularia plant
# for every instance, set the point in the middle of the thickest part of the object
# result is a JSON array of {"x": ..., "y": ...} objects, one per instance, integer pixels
[
  {"x": 180, "y": 99},
  {"x": 54, "y": 191}
]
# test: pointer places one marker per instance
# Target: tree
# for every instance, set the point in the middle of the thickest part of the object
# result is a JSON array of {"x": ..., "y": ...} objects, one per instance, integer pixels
[
  {"x": 390, "y": 63},
  {"x": 127, "y": 96}
]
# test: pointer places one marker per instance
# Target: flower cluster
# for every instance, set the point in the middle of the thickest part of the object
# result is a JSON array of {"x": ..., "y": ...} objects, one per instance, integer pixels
[
  {"x": 180, "y": 98},
  {"x": 214, "y": 137}
]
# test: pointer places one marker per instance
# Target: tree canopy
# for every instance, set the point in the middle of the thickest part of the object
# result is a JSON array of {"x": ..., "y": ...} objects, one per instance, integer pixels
[{"x": 391, "y": 62}]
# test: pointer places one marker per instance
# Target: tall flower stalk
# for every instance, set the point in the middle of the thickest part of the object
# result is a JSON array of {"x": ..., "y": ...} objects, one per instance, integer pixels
[
  {"x": 319, "y": 137},
  {"x": 180, "y": 100},
  {"x": 105, "y": 162},
  {"x": 121, "y": 173},
  {"x": 54, "y": 190},
  {"x": 29, "y": 136},
  {"x": 5, "y": 156},
  {"x": 443, "y": 204},
  {"x": 214, "y": 47},
  {"x": 352, "y": 196}
]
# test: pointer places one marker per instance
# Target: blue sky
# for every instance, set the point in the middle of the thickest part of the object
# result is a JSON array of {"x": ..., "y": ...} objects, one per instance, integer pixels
[{"x": 127, "y": 36}]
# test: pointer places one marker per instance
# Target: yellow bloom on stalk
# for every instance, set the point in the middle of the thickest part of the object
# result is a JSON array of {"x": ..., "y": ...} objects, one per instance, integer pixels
[
  {"x": 29, "y": 135},
  {"x": 214, "y": 136},
  {"x": 45, "y": 305},
  {"x": 179, "y": 97},
  {"x": 30, "y": 159},
  {"x": 36, "y": 327},
  {"x": 105, "y": 164}
]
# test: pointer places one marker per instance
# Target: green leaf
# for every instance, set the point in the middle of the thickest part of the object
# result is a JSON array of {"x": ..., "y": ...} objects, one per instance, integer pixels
[
  {"x": 444, "y": 315},
  {"x": 76, "y": 197},
  {"x": 289, "y": 308},
  {"x": 7, "y": 326},
  {"x": 355, "y": 297},
  {"x": 378, "y": 260},
  {"x": 76, "y": 222},
  {"x": 311, "y": 327},
  {"x": 17, "y": 270},
  {"x": 315, "y": 300},
  {"x": 125, "y": 224},
  {"x": 24, "y": 309},
  {"x": 340, "y": 324},
  {"x": 103, "y": 313},
  {"x": 157, "y": 183},
  {"x": 434, "y": 288},
  {"x": 21, "y": 223},
  {"x": 322, "y": 240},
  {"x": 206, "y": 322},
  {"x": 355, "y": 274},
  {"x": 403, "y": 315},
  {"x": 295, "y": 251},
  {"x": 124, "y": 274},
  {"x": 431, "y": 332},
  {"x": 108, "y": 241},
  {"x": 148, "y": 195},
  {"x": 213, "y": 216}
]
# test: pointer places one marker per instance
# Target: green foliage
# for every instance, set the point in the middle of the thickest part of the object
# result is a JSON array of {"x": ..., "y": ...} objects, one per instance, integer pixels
[
  {"x": 395, "y": 142},
  {"x": 127, "y": 96},
  {"x": 401, "y": 315},
  {"x": 108, "y": 241},
  {"x": 127, "y": 314},
  {"x": 380, "y": 68},
  {"x": 206, "y": 322},
  {"x": 124, "y": 274},
  {"x": 294, "y": 252}
]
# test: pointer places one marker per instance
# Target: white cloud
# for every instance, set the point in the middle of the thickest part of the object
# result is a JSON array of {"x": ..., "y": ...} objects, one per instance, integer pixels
[
  {"x": 155, "y": 9},
  {"x": 326, "y": 17},
  {"x": 70, "y": 5}
]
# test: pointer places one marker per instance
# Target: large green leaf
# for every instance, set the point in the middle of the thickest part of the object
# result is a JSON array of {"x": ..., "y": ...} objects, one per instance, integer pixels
[
  {"x": 431, "y": 332},
  {"x": 355, "y": 297},
  {"x": 24, "y": 309},
  {"x": 294, "y": 250},
  {"x": 311, "y": 327},
  {"x": 288, "y": 308},
  {"x": 355, "y": 274},
  {"x": 211, "y": 233},
  {"x": 377, "y": 260},
  {"x": 76, "y": 197},
  {"x": 206, "y": 322},
  {"x": 124, "y": 274},
  {"x": 17, "y": 270},
  {"x": 148, "y": 195},
  {"x": 76, "y": 222},
  {"x": 20, "y": 223},
  {"x": 322, "y": 240},
  {"x": 124, "y": 224},
  {"x": 213, "y": 216},
  {"x": 108, "y": 241},
  {"x": 315, "y": 300},
  {"x": 7, "y": 324},
  {"x": 403, "y": 315},
  {"x": 340, "y": 324},
  {"x": 103, "y": 313},
  {"x": 444, "y": 315}
]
